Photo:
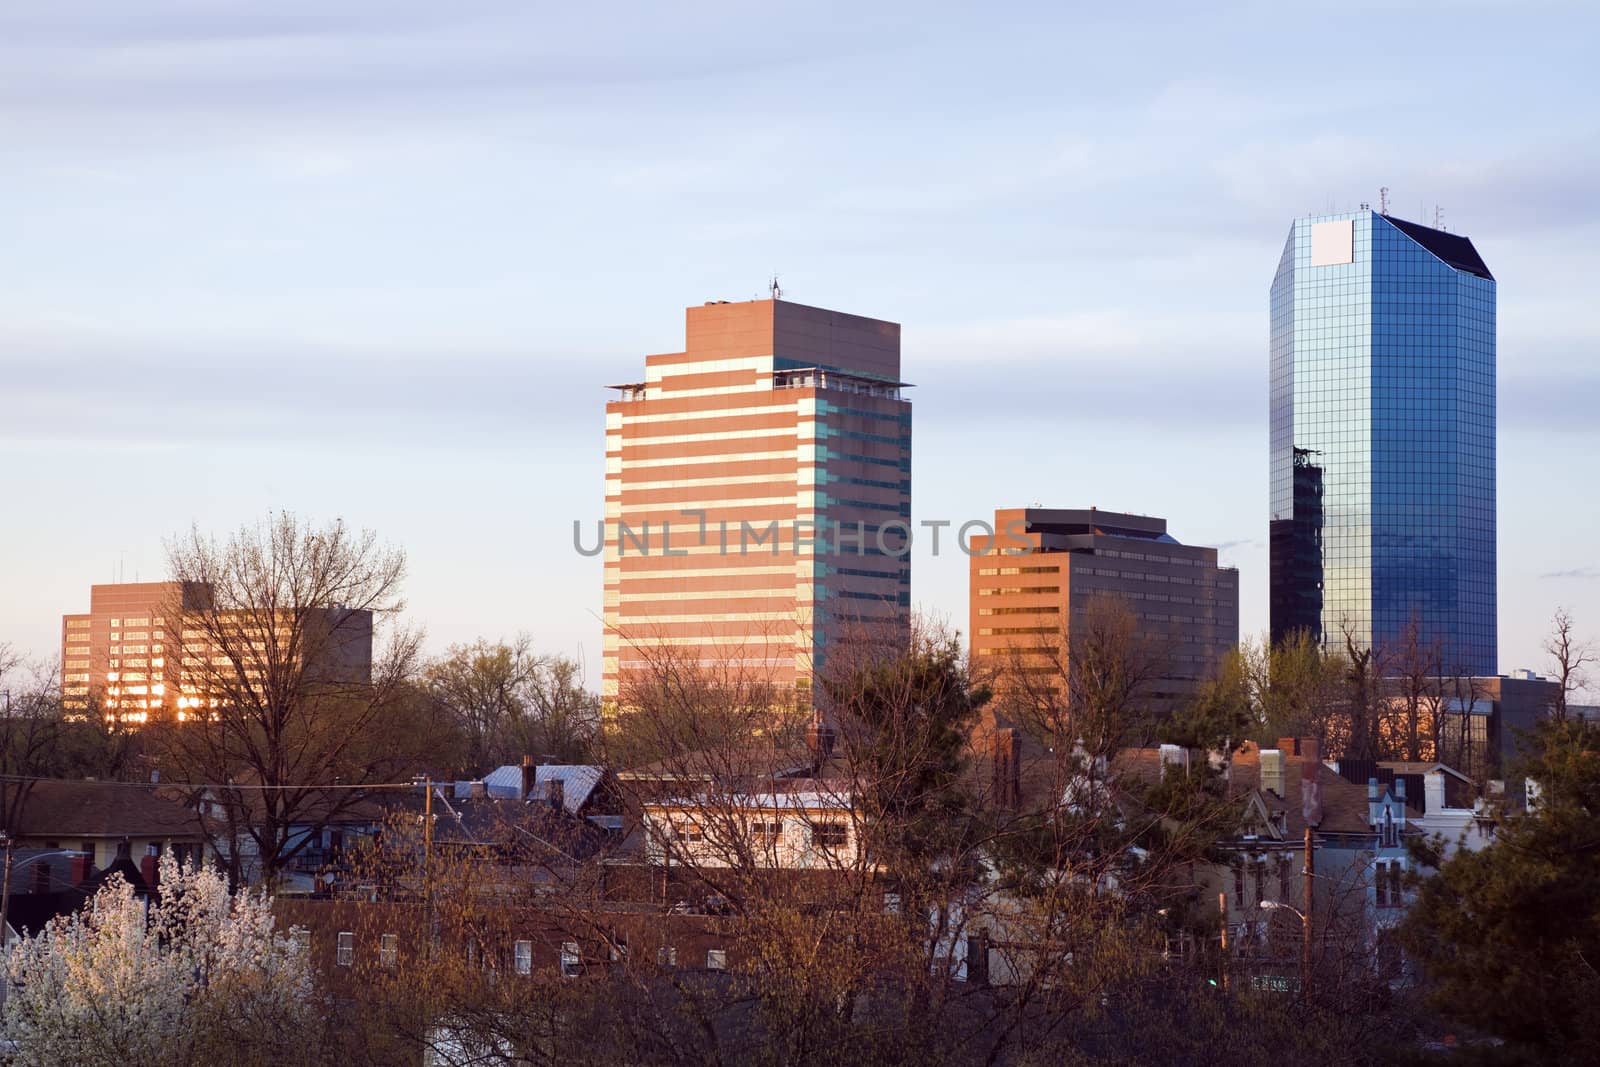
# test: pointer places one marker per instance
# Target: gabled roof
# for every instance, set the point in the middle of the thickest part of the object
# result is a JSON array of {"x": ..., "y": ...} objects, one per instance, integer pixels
[
  {"x": 577, "y": 780},
  {"x": 1456, "y": 250},
  {"x": 1344, "y": 804},
  {"x": 74, "y": 809}
]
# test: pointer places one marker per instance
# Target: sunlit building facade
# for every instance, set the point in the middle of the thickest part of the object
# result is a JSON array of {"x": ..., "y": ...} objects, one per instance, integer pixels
[
  {"x": 1035, "y": 583},
  {"x": 147, "y": 651},
  {"x": 1382, "y": 475},
  {"x": 758, "y": 495}
]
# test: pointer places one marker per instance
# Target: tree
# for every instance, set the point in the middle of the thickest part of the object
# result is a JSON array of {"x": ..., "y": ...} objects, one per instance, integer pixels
[
  {"x": 202, "y": 978},
  {"x": 1222, "y": 714},
  {"x": 508, "y": 702},
  {"x": 1295, "y": 686},
  {"x": 904, "y": 721},
  {"x": 285, "y": 694},
  {"x": 1507, "y": 935},
  {"x": 1570, "y": 659},
  {"x": 1091, "y": 685},
  {"x": 30, "y": 728},
  {"x": 1364, "y": 701},
  {"x": 1407, "y": 729}
]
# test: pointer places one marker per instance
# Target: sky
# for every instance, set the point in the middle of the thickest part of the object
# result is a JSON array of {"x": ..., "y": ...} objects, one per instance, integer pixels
[{"x": 377, "y": 261}]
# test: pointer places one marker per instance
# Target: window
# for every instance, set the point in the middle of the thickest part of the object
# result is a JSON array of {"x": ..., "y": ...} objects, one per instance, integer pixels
[
  {"x": 691, "y": 832},
  {"x": 1388, "y": 828},
  {"x": 716, "y": 959},
  {"x": 346, "y": 948},
  {"x": 522, "y": 956},
  {"x": 571, "y": 960},
  {"x": 1387, "y": 884},
  {"x": 830, "y": 835},
  {"x": 666, "y": 956},
  {"x": 766, "y": 834},
  {"x": 388, "y": 950}
]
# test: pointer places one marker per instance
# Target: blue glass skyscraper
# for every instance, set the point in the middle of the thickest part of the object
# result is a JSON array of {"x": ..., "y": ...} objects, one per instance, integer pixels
[{"x": 1383, "y": 438}]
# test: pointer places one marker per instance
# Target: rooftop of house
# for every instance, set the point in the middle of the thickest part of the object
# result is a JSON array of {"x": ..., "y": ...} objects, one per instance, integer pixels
[
  {"x": 578, "y": 782},
  {"x": 78, "y": 809},
  {"x": 1344, "y": 804}
]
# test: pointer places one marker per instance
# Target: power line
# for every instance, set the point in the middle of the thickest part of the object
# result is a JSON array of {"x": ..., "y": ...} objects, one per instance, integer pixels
[{"x": 416, "y": 785}]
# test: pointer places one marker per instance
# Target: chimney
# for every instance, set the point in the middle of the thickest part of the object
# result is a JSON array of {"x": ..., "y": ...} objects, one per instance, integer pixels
[
  {"x": 41, "y": 879},
  {"x": 150, "y": 871},
  {"x": 1310, "y": 782},
  {"x": 556, "y": 792},
  {"x": 1290, "y": 746},
  {"x": 82, "y": 868},
  {"x": 1175, "y": 755},
  {"x": 978, "y": 958},
  {"x": 1007, "y": 774},
  {"x": 819, "y": 739},
  {"x": 1433, "y": 793},
  {"x": 477, "y": 790},
  {"x": 530, "y": 774},
  {"x": 1273, "y": 778}
]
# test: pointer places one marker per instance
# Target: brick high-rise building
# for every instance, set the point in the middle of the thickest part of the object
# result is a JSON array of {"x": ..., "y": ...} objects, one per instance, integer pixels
[
  {"x": 1024, "y": 606},
  {"x": 776, "y": 426},
  {"x": 140, "y": 654}
]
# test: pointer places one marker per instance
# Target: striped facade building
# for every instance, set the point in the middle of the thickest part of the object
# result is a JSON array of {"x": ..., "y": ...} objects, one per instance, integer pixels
[{"x": 758, "y": 495}]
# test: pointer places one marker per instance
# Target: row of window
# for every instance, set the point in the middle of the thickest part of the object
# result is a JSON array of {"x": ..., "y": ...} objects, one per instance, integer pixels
[{"x": 521, "y": 954}]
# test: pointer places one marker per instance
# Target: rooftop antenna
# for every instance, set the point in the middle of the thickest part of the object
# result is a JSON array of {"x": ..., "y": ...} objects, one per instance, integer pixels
[
  {"x": 1438, "y": 217},
  {"x": 777, "y": 293},
  {"x": 1383, "y": 200}
]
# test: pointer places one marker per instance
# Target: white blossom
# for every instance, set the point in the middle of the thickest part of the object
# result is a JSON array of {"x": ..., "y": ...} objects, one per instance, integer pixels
[{"x": 192, "y": 974}]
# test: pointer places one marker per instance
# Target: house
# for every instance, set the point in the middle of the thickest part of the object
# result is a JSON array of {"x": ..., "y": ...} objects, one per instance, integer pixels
[
  {"x": 1259, "y": 889},
  {"x": 791, "y": 824},
  {"x": 1452, "y": 807},
  {"x": 103, "y": 820}
]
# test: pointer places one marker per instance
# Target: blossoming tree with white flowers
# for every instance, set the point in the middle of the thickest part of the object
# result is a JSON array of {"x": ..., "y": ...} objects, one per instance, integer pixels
[{"x": 189, "y": 974}]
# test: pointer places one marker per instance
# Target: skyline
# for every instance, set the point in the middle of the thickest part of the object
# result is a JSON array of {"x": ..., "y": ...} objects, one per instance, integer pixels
[{"x": 513, "y": 229}]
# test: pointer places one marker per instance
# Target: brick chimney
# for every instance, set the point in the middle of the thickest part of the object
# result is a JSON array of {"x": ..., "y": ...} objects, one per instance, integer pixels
[
  {"x": 150, "y": 871},
  {"x": 530, "y": 774},
  {"x": 1310, "y": 782},
  {"x": 819, "y": 739},
  {"x": 1007, "y": 773}
]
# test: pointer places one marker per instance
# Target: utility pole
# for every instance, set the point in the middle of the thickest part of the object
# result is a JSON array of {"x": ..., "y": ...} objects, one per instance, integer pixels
[
  {"x": 5, "y": 894},
  {"x": 1222, "y": 909},
  {"x": 427, "y": 837},
  {"x": 1305, "y": 937}
]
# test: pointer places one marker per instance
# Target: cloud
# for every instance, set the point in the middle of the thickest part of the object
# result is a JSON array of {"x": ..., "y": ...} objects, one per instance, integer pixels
[{"x": 153, "y": 392}]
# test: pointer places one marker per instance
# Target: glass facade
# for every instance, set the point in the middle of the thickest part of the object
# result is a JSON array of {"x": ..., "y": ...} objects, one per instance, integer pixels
[{"x": 1383, "y": 437}]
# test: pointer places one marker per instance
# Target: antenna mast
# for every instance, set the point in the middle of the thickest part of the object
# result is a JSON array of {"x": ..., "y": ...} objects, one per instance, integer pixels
[
  {"x": 1383, "y": 200},
  {"x": 777, "y": 293}
]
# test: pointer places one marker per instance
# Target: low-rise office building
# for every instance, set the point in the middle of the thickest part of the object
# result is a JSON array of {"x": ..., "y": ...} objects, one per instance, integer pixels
[{"x": 1043, "y": 571}]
